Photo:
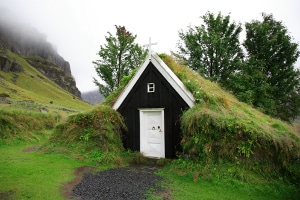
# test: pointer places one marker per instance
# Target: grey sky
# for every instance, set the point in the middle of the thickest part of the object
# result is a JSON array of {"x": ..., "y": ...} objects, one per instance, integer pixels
[{"x": 77, "y": 28}]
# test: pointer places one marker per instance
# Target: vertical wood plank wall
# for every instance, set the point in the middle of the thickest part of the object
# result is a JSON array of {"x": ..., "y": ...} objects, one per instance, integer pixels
[{"x": 164, "y": 97}]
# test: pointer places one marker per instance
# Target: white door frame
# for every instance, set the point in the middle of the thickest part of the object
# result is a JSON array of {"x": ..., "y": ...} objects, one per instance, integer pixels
[{"x": 143, "y": 130}]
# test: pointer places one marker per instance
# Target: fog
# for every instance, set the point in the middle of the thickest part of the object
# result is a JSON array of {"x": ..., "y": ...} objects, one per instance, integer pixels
[
  {"x": 24, "y": 34},
  {"x": 77, "y": 28}
]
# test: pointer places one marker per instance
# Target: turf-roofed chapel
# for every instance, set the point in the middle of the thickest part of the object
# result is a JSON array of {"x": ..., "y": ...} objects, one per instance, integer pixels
[{"x": 170, "y": 109}]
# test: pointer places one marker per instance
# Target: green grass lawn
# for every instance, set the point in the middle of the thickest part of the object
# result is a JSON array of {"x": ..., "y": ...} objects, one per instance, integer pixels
[
  {"x": 184, "y": 188},
  {"x": 33, "y": 175},
  {"x": 36, "y": 175}
]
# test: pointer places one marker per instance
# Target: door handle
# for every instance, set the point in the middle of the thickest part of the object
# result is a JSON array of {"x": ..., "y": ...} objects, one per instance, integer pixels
[{"x": 158, "y": 127}]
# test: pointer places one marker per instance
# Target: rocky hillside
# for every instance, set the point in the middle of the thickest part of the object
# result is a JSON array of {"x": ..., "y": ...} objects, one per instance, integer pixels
[{"x": 33, "y": 46}]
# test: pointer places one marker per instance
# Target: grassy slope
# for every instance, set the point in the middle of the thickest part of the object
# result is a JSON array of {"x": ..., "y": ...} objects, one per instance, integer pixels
[
  {"x": 219, "y": 104},
  {"x": 34, "y": 86}
]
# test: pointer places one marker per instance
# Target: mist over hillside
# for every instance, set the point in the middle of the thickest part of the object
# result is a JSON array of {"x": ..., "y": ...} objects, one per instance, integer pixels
[{"x": 26, "y": 41}]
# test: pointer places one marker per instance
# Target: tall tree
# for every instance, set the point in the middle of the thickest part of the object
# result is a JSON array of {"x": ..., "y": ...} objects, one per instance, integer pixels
[
  {"x": 117, "y": 59},
  {"x": 269, "y": 44},
  {"x": 213, "y": 49},
  {"x": 249, "y": 85}
]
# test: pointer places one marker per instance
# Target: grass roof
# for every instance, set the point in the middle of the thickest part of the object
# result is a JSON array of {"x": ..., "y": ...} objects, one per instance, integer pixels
[{"x": 220, "y": 126}]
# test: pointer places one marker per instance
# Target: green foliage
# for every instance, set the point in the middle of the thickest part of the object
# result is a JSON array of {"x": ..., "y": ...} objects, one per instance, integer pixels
[
  {"x": 250, "y": 86},
  {"x": 212, "y": 49},
  {"x": 267, "y": 79},
  {"x": 87, "y": 134},
  {"x": 273, "y": 54},
  {"x": 110, "y": 99},
  {"x": 96, "y": 133},
  {"x": 117, "y": 59},
  {"x": 245, "y": 148},
  {"x": 220, "y": 127}
]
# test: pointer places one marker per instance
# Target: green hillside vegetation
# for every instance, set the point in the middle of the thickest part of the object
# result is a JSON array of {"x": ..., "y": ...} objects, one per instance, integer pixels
[
  {"x": 94, "y": 135},
  {"x": 20, "y": 126},
  {"x": 30, "y": 85},
  {"x": 229, "y": 147},
  {"x": 31, "y": 104},
  {"x": 220, "y": 128}
]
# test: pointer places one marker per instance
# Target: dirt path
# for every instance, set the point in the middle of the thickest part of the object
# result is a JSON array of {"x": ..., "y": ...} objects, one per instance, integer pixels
[
  {"x": 7, "y": 195},
  {"x": 31, "y": 148},
  {"x": 79, "y": 173}
]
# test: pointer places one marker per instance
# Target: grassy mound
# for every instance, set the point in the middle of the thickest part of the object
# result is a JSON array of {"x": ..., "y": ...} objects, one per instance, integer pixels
[
  {"x": 95, "y": 134},
  {"x": 219, "y": 127}
]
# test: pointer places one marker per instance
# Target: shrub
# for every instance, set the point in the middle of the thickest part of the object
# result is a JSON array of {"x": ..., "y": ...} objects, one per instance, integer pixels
[{"x": 96, "y": 130}]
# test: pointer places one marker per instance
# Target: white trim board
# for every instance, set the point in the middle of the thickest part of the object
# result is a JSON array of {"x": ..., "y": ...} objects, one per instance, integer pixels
[{"x": 166, "y": 72}]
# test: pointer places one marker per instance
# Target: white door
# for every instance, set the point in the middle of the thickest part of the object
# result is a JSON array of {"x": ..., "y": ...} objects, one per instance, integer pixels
[{"x": 152, "y": 135}]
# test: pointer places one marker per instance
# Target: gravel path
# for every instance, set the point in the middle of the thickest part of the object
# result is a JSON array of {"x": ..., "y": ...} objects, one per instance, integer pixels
[{"x": 117, "y": 184}]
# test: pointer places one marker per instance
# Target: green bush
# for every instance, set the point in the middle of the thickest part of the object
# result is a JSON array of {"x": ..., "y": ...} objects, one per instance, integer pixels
[{"x": 97, "y": 131}]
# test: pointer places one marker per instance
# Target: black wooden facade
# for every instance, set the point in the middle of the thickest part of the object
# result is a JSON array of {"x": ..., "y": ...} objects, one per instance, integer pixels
[{"x": 165, "y": 96}]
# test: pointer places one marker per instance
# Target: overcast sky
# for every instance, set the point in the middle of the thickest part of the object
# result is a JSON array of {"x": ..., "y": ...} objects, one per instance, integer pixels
[{"x": 77, "y": 28}]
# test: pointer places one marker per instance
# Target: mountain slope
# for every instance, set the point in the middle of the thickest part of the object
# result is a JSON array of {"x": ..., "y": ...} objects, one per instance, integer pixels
[
  {"x": 32, "y": 45},
  {"x": 28, "y": 84}
]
